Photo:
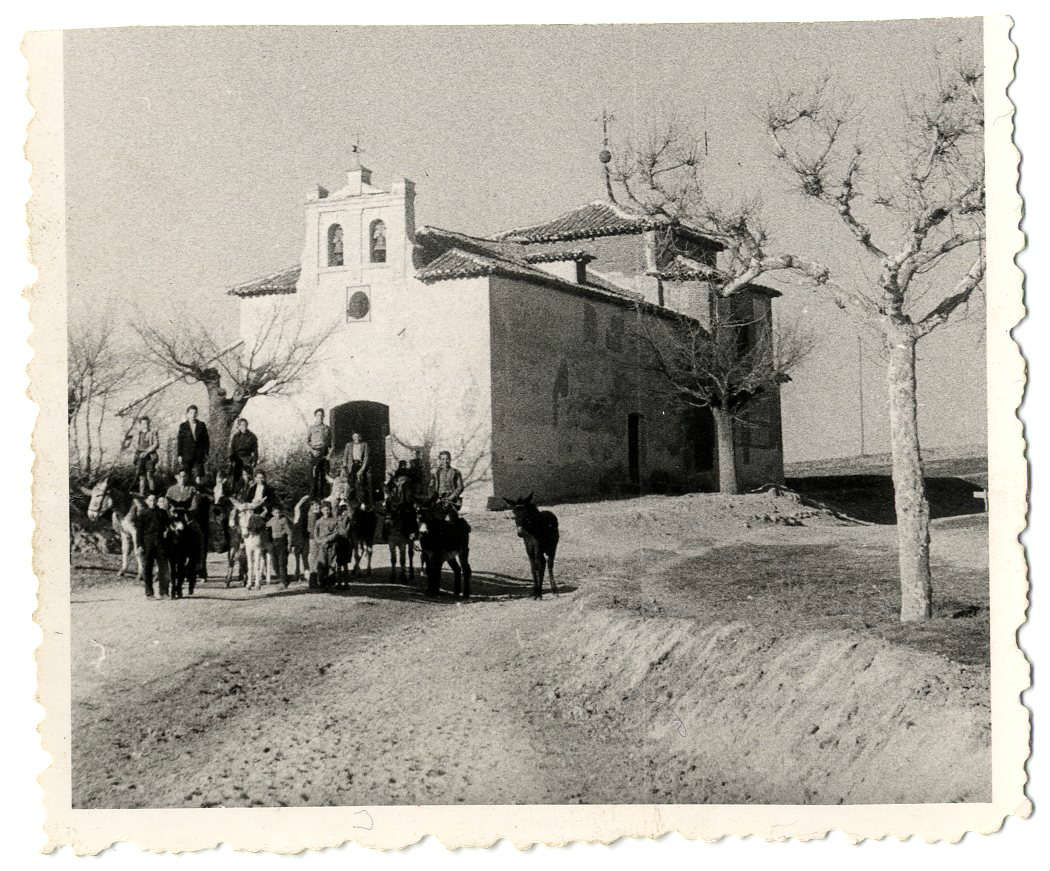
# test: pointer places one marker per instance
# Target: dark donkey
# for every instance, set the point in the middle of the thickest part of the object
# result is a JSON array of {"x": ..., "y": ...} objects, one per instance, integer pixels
[
  {"x": 443, "y": 540},
  {"x": 539, "y": 529}
]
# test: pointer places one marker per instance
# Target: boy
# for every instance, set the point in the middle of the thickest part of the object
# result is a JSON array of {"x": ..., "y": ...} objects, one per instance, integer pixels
[
  {"x": 280, "y": 532},
  {"x": 325, "y": 534}
]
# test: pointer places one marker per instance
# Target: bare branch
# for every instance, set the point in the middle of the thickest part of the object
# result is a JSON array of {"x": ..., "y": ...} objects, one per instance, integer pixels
[{"x": 960, "y": 296}]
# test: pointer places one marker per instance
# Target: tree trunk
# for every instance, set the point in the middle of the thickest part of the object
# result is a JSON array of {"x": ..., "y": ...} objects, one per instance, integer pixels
[
  {"x": 222, "y": 414},
  {"x": 726, "y": 451},
  {"x": 909, "y": 488}
]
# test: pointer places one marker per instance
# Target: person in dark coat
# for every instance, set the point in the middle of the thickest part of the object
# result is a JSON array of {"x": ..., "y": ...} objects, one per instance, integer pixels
[
  {"x": 152, "y": 527},
  {"x": 244, "y": 449},
  {"x": 192, "y": 444},
  {"x": 260, "y": 494}
]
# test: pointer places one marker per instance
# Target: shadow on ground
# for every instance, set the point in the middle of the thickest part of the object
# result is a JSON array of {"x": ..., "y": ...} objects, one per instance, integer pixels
[{"x": 870, "y": 497}]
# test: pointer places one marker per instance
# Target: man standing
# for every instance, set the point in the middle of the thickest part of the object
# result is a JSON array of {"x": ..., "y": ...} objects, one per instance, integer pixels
[
  {"x": 447, "y": 484},
  {"x": 152, "y": 526},
  {"x": 319, "y": 441},
  {"x": 244, "y": 449},
  {"x": 146, "y": 443},
  {"x": 192, "y": 444},
  {"x": 355, "y": 461}
]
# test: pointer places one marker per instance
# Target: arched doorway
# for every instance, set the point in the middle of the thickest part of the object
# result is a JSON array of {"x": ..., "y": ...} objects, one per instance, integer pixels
[{"x": 372, "y": 420}]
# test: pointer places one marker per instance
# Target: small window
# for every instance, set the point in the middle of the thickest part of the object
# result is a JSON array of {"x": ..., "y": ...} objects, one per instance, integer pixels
[
  {"x": 377, "y": 242},
  {"x": 590, "y": 324},
  {"x": 335, "y": 245},
  {"x": 614, "y": 334},
  {"x": 358, "y": 305}
]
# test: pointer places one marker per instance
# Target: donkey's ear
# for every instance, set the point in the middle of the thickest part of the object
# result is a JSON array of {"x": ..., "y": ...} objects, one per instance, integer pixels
[
  {"x": 509, "y": 503},
  {"x": 529, "y": 497}
]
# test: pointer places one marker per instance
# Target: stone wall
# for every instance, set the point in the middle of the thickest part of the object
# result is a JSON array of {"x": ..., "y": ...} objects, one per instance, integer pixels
[{"x": 565, "y": 378}]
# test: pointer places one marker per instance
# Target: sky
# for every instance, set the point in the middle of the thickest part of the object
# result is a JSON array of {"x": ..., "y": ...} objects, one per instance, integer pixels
[{"x": 189, "y": 151}]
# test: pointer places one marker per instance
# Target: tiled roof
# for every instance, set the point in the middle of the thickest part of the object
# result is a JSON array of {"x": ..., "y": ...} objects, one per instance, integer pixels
[
  {"x": 599, "y": 218},
  {"x": 555, "y": 256},
  {"x": 457, "y": 263},
  {"x": 686, "y": 269},
  {"x": 475, "y": 257},
  {"x": 282, "y": 281}
]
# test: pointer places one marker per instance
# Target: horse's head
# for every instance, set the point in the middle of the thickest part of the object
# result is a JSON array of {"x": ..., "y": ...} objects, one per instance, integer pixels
[
  {"x": 101, "y": 499},
  {"x": 523, "y": 510}
]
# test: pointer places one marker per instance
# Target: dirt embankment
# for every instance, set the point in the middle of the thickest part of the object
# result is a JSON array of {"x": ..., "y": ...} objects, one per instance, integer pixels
[{"x": 730, "y": 713}]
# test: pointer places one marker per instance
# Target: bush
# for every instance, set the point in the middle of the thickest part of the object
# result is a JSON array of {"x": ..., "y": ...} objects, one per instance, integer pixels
[{"x": 289, "y": 474}]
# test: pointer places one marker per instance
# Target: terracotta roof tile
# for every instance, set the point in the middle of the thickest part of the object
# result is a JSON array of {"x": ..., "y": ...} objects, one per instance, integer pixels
[
  {"x": 282, "y": 281},
  {"x": 598, "y": 218}
]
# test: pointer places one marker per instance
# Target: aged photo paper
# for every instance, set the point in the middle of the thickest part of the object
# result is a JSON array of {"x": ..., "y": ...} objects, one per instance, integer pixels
[{"x": 547, "y": 434}]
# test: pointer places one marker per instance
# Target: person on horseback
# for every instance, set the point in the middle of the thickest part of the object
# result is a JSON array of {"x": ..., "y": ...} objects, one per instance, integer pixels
[
  {"x": 355, "y": 461},
  {"x": 319, "y": 441},
  {"x": 146, "y": 444},
  {"x": 447, "y": 484}
]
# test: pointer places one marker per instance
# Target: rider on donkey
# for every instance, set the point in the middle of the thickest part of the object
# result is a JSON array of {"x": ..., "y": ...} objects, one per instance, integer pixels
[
  {"x": 355, "y": 461},
  {"x": 447, "y": 484}
]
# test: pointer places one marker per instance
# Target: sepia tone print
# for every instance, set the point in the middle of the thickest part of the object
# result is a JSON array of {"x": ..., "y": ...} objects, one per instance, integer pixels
[{"x": 452, "y": 425}]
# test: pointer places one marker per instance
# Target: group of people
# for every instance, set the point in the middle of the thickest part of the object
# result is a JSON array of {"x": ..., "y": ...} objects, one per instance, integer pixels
[
  {"x": 192, "y": 449},
  {"x": 314, "y": 532}
]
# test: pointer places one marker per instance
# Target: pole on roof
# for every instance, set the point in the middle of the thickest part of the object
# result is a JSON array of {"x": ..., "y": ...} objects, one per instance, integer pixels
[{"x": 605, "y": 155}]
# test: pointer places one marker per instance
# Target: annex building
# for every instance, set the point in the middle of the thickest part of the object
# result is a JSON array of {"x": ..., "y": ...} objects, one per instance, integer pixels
[{"x": 514, "y": 352}]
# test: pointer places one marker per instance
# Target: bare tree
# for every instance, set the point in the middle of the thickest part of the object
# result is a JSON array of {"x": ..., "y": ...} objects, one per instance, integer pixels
[
  {"x": 272, "y": 362},
  {"x": 928, "y": 187},
  {"x": 726, "y": 367},
  {"x": 925, "y": 197},
  {"x": 471, "y": 450},
  {"x": 97, "y": 370}
]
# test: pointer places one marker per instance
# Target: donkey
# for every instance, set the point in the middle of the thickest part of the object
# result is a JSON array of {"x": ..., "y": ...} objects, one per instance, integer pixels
[
  {"x": 444, "y": 540},
  {"x": 258, "y": 545},
  {"x": 363, "y": 522},
  {"x": 184, "y": 548},
  {"x": 400, "y": 528},
  {"x": 125, "y": 507},
  {"x": 539, "y": 530}
]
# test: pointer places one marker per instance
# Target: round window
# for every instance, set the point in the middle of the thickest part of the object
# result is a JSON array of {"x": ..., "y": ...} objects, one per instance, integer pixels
[{"x": 357, "y": 306}]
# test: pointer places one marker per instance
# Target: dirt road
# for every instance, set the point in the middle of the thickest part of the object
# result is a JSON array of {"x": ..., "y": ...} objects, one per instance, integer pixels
[{"x": 380, "y": 696}]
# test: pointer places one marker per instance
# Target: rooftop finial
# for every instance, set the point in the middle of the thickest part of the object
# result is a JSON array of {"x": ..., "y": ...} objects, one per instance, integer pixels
[{"x": 355, "y": 152}]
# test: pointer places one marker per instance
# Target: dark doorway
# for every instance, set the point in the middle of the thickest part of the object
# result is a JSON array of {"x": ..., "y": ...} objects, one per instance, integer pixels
[
  {"x": 372, "y": 420},
  {"x": 702, "y": 435},
  {"x": 634, "y": 437}
]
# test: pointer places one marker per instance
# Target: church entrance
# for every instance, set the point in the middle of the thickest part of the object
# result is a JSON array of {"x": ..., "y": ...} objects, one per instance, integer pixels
[{"x": 372, "y": 420}]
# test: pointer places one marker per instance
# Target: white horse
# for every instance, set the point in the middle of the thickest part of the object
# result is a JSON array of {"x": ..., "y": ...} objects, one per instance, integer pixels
[
  {"x": 125, "y": 507},
  {"x": 258, "y": 544}
]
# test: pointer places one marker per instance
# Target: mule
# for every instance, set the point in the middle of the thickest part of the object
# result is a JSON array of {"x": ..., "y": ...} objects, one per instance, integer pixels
[
  {"x": 107, "y": 498},
  {"x": 444, "y": 540},
  {"x": 539, "y": 530}
]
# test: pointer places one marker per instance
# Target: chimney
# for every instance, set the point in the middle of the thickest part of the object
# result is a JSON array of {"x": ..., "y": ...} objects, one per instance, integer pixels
[{"x": 357, "y": 176}]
